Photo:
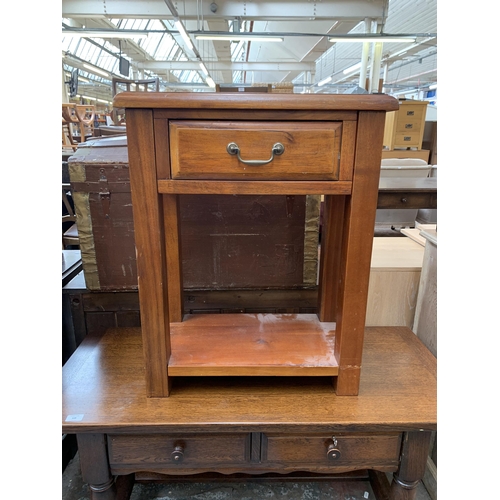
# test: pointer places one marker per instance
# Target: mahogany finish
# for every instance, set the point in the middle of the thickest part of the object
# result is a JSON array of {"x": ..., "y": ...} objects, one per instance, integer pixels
[
  {"x": 307, "y": 102},
  {"x": 311, "y": 150},
  {"x": 253, "y": 187},
  {"x": 252, "y": 425},
  {"x": 332, "y": 146},
  {"x": 252, "y": 344}
]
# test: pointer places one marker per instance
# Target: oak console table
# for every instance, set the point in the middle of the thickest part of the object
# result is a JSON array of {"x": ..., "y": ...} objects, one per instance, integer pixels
[{"x": 250, "y": 425}]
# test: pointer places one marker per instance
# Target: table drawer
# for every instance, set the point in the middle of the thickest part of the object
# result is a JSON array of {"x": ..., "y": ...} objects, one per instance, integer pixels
[
  {"x": 176, "y": 451},
  {"x": 200, "y": 150},
  {"x": 363, "y": 450},
  {"x": 406, "y": 200}
]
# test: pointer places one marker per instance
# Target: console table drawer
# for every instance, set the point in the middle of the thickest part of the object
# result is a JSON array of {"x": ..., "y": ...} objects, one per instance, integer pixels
[
  {"x": 255, "y": 150},
  {"x": 360, "y": 450},
  {"x": 179, "y": 451}
]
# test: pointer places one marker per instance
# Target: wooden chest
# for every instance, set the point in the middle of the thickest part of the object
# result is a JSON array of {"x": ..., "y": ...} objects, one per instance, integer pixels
[
  {"x": 278, "y": 246},
  {"x": 404, "y": 128}
]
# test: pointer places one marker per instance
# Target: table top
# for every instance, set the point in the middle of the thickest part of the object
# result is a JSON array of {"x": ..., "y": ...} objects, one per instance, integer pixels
[
  {"x": 104, "y": 391},
  {"x": 238, "y": 100},
  {"x": 418, "y": 184}
]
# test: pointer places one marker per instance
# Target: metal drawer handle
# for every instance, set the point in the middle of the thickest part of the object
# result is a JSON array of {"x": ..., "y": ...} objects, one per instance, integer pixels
[{"x": 233, "y": 149}]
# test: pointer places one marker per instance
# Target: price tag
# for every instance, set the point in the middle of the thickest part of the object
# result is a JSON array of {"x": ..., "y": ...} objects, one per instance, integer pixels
[{"x": 75, "y": 418}]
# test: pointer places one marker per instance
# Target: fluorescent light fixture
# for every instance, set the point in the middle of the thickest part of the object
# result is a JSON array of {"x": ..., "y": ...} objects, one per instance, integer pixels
[
  {"x": 102, "y": 34},
  {"x": 240, "y": 37},
  {"x": 352, "y": 68},
  {"x": 373, "y": 38},
  {"x": 324, "y": 81},
  {"x": 184, "y": 34},
  {"x": 96, "y": 70},
  {"x": 433, "y": 86},
  {"x": 204, "y": 68},
  {"x": 210, "y": 82}
]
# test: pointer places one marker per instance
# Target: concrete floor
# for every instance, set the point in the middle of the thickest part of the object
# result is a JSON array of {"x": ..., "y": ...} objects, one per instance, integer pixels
[{"x": 73, "y": 488}]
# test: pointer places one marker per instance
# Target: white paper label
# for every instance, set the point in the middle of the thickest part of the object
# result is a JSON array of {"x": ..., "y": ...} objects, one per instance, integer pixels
[{"x": 74, "y": 418}]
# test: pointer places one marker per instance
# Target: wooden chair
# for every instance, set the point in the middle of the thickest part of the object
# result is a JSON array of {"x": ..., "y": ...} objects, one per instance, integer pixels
[
  {"x": 78, "y": 115},
  {"x": 69, "y": 118},
  {"x": 69, "y": 234},
  {"x": 124, "y": 84}
]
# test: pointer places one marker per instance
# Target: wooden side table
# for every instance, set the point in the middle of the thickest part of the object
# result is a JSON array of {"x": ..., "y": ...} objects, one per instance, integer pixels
[
  {"x": 250, "y": 425},
  {"x": 261, "y": 144}
]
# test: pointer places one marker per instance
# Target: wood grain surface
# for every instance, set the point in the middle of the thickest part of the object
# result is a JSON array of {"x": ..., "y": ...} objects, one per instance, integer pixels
[
  {"x": 154, "y": 100},
  {"x": 104, "y": 390},
  {"x": 311, "y": 150},
  {"x": 252, "y": 344},
  {"x": 253, "y": 187}
]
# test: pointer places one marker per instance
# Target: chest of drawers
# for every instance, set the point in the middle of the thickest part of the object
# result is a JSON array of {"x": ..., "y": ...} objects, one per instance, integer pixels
[
  {"x": 404, "y": 128},
  {"x": 202, "y": 144}
]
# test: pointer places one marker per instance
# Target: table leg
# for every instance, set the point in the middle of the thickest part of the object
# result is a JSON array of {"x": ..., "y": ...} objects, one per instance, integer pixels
[
  {"x": 412, "y": 465},
  {"x": 95, "y": 468}
]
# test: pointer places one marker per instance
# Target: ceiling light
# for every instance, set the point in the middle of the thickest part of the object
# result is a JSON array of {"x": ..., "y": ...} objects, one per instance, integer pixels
[
  {"x": 210, "y": 82},
  {"x": 83, "y": 33},
  {"x": 204, "y": 68},
  {"x": 352, "y": 68},
  {"x": 433, "y": 86},
  {"x": 96, "y": 70},
  {"x": 184, "y": 34},
  {"x": 240, "y": 37},
  {"x": 324, "y": 81},
  {"x": 373, "y": 38}
]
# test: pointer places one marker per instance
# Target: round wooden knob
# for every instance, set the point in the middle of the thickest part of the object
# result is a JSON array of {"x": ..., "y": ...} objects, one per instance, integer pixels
[
  {"x": 332, "y": 452},
  {"x": 178, "y": 454}
]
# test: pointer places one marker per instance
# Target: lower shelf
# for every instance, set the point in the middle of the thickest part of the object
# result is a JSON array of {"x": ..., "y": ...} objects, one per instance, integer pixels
[{"x": 252, "y": 344}]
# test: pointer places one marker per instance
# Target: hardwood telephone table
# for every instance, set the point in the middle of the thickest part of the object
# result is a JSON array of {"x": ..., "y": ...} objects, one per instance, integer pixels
[
  {"x": 249, "y": 392},
  {"x": 264, "y": 144}
]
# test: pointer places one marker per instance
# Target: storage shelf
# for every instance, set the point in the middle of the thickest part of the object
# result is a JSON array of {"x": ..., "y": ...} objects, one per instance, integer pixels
[{"x": 252, "y": 344}]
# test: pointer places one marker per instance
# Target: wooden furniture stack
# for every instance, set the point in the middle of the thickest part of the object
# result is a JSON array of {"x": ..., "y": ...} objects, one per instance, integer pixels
[{"x": 277, "y": 144}]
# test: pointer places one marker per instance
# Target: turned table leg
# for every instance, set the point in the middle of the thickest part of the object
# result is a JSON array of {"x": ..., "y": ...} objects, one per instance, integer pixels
[
  {"x": 95, "y": 467},
  {"x": 412, "y": 465}
]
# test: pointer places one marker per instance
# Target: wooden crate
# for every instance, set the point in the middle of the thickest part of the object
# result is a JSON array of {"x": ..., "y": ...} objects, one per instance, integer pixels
[
  {"x": 280, "y": 237},
  {"x": 404, "y": 128}
]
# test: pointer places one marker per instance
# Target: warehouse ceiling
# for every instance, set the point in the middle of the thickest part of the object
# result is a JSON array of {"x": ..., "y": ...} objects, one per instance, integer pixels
[{"x": 148, "y": 34}]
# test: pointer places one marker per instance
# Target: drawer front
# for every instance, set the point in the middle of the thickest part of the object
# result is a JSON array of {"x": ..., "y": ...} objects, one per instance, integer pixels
[
  {"x": 405, "y": 126},
  {"x": 310, "y": 150},
  {"x": 412, "y": 113},
  {"x": 363, "y": 450},
  {"x": 176, "y": 451},
  {"x": 407, "y": 200},
  {"x": 408, "y": 139}
]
